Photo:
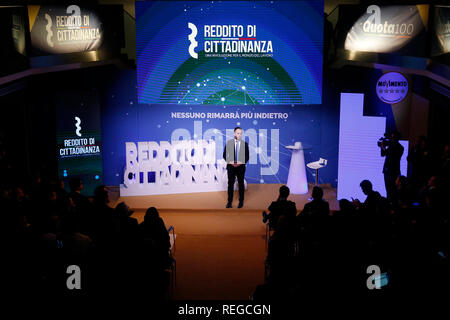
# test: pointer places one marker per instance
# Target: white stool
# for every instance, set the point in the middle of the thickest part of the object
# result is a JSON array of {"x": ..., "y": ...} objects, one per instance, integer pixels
[{"x": 316, "y": 165}]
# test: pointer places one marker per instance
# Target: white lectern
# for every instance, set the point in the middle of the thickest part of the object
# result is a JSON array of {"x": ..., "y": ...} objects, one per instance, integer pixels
[{"x": 297, "y": 182}]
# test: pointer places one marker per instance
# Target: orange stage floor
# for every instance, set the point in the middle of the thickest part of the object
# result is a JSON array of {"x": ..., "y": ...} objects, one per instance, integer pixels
[{"x": 257, "y": 197}]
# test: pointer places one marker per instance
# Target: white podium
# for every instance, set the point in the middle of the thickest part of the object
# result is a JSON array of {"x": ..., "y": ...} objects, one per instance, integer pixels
[{"x": 297, "y": 182}]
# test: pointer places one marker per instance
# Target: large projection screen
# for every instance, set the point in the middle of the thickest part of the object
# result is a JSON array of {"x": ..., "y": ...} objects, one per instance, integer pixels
[{"x": 229, "y": 52}]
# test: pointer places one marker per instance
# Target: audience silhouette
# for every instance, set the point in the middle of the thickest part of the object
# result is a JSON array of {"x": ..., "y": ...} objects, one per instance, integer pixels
[
  {"x": 407, "y": 236},
  {"x": 51, "y": 229}
]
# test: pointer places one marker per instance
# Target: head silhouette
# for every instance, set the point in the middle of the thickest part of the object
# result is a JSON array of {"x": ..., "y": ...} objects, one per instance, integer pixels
[
  {"x": 75, "y": 184},
  {"x": 101, "y": 194},
  {"x": 401, "y": 181},
  {"x": 317, "y": 193},
  {"x": 123, "y": 209},
  {"x": 151, "y": 214},
  {"x": 395, "y": 136},
  {"x": 284, "y": 192},
  {"x": 366, "y": 186}
]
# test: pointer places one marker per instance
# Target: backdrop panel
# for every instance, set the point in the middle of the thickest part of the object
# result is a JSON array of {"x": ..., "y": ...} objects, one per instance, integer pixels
[
  {"x": 268, "y": 130},
  {"x": 359, "y": 156}
]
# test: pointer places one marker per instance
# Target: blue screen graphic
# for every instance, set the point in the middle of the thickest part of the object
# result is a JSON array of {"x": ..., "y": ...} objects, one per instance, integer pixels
[{"x": 230, "y": 52}]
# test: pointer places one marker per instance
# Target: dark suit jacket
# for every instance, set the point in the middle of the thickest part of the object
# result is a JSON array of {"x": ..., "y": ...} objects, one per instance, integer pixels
[
  {"x": 318, "y": 209},
  {"x": 228, "y": 152},
  {"x": 313, "y": 218},
  {"x": 279, "y": 208},
  {"x": 393, "y": 155},
  {"x": 81, "y": 202}
]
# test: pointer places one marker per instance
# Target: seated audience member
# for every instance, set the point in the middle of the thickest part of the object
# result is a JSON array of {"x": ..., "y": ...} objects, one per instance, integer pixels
[
  {"x": 101, "y": 220},
  {"x": 128, "y": 247},
  {"x": 46, "y": 215},
  {"x": 155, "y": 235},
  {"x": 313, "y": 219},
  {"x": 81, "y": 202},
  {"x": 402, "y": 192},
  {"x": 375, "y": 214},
  {"x": 101, "y": 200},
  {"x": 156, "y": 245},
  {"x": 346, "y": 207},
  {"x": 444, "y": 167},
  {"x": 419, "y": 161},
  {"x": 433, "y": 197},
  {"x": 431, "y": 191},
  {"x": 373, "y": 197},
  {"x": 282, "y": 249},
  {"x": 59, "y": 249},
  {"x": 127, "y": 228},
  {"x": 318, "y": 207},
  {"x": 20, "y": 206},
  {"x": 61, "y": 193},
  {"x": 345, "y": 218},
  {"x": 280, "y": 207},
  {"x": 75, "y": 243}
]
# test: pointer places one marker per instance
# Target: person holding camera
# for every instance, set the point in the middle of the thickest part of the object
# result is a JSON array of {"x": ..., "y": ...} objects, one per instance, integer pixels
[{"x": 392, "y": 150}]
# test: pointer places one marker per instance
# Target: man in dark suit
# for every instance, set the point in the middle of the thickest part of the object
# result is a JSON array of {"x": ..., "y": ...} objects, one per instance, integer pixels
[
  {"x": 314, "y": 217},
  {"x": 393, "y": 152},
  {"x": 236, "y": 154},
  {"x": 318, "y": 208},
  {"x": 81, "y": 202},
  {"x": 373, "y": 199},
  {"x": 279, "y": 208}
]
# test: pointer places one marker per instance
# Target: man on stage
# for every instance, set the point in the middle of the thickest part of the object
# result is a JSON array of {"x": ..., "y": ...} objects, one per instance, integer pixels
[{"x": 236, "y": 154}]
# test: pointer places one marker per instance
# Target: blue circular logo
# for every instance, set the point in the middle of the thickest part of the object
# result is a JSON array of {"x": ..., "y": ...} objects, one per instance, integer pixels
[{"x": 392, "y": 87}]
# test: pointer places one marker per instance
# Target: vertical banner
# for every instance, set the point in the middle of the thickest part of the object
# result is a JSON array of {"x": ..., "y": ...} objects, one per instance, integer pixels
[{"x": 79, "y": 138}]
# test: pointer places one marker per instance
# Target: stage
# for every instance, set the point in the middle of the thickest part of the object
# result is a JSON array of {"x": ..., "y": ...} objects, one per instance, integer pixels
[{"x": 257, "y": 197}]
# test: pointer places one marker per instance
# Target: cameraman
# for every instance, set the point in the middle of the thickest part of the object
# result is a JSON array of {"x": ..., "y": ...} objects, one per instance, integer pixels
[{"x": 393, "y": 151}]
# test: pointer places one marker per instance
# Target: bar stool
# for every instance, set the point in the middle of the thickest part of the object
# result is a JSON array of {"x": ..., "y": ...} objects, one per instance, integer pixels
[{"x": 316, "y": 165}]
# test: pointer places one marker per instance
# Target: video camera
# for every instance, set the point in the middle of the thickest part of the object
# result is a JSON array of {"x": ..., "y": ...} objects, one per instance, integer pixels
[{"x": 385, "y": 140}]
